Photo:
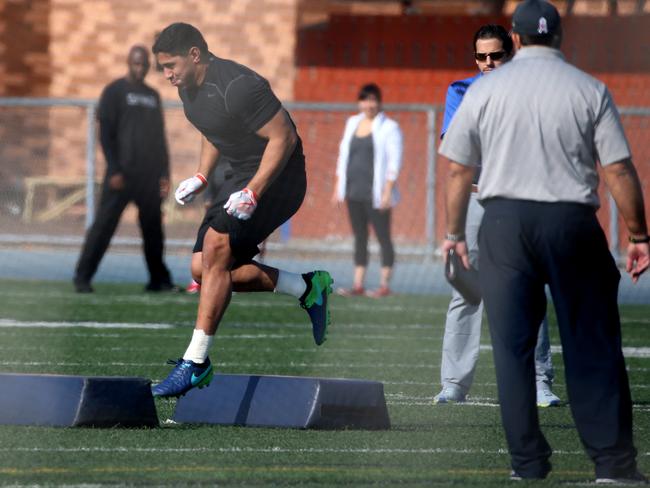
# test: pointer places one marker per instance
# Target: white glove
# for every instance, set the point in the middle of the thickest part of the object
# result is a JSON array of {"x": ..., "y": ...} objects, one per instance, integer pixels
[
  {"x": 241, "y": 204},
  {"x": 189, "y": 188}
]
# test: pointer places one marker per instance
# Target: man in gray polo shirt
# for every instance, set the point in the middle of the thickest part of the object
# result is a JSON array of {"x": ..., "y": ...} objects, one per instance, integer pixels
[{"x": 538, "y": 125}]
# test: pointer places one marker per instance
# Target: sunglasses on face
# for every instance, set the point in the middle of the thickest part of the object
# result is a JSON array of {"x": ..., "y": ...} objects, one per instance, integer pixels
[{"x": 495, "y": 56}]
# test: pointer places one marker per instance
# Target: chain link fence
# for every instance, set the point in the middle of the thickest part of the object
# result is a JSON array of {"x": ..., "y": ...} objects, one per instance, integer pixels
[{"x": 52, "y": 167}]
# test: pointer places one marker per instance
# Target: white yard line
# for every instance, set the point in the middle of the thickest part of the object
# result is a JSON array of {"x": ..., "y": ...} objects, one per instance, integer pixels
[
  {"x": 630, "y": 352},
  {"x": 227, "y": 364},
  {"x": 10, "y": 323},
  {"x": 271, "y": 302},
  {"x": 270, "y": 450},
  {"x": 275, "y": 450}
]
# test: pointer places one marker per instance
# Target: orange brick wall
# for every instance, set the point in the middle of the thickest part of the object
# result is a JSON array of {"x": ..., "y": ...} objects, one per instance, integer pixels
[
  {"x": 415, "y": 58},
  {"x": 90, "y": 38},
  {"x": 73, "y": 48},
  {"x": 24, "y": 40}
]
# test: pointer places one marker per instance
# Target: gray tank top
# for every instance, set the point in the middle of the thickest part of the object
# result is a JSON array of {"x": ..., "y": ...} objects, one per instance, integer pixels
[{"x": 360, "y": 169}]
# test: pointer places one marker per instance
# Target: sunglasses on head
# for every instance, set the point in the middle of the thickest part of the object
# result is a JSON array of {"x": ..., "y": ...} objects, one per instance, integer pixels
[{"x": 495, "y": 56}]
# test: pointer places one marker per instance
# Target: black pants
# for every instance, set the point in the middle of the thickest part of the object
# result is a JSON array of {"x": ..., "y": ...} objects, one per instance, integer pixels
[
  {"x": 524, "y": 245},
  {"x": 145, "y": 193},
  {"x": 361, "y": 215}
]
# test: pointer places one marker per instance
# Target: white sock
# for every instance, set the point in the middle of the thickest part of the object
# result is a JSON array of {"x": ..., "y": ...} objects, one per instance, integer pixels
[
  {"x": 290, "y": 284},
  {"x": 199, "y": 346}
]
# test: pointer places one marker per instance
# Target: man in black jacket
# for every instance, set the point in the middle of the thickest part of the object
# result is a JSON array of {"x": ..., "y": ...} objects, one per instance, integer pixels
[{"x": 137, "y": 170}]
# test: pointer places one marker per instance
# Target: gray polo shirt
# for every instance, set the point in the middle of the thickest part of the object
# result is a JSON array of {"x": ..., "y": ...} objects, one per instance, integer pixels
[{"x": 537, "y": 125}]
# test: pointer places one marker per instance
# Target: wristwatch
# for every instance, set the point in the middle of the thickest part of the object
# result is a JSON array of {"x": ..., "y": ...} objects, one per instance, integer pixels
[
  {"x": 639, "y": 240},
  {"x": 454, "y": 237}
]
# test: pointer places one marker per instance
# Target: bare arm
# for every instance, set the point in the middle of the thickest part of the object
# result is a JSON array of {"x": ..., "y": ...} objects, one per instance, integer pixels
[
  {"x": 282, "y": 138},
  {"x": 208, "y": 158},
  {"x": 459, "y": 187},
  {"x": 335, "y": 193},
  {"x": 386, "y": 194},
  {"x": 624, "y": 185}
]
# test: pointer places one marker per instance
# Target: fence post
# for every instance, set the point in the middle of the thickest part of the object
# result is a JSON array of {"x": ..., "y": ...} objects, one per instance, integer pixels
[
  {"x": 431, "y": 185},
  {"x": 90, "y": 164},
  {"x": 613, "y": 227}
]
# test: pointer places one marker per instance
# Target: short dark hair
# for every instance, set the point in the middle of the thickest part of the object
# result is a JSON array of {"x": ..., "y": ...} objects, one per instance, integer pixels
[
  {"x": 370, "y": 90},
  {"x": 548, "y": 40},
  {"x": 494, "y": 31},
  {"x": 178, "y": 39}
]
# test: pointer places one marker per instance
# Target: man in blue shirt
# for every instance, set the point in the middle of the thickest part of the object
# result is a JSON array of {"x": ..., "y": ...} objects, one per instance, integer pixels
[
  {"x": 457, "y": 89},
  {"x": 460, "y": 347}
]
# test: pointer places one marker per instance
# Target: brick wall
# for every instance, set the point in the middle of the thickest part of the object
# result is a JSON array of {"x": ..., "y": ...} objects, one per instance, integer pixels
[
  {"x": 24, "y": 41},
  {"x": 90, "y": 38},
  {"x": 83, "y": 45},
  {"x": 415, "y": 58}
]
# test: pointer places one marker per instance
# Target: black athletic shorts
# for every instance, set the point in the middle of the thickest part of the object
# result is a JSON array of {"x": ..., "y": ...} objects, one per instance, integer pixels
[{"x": 281, "y": 200}]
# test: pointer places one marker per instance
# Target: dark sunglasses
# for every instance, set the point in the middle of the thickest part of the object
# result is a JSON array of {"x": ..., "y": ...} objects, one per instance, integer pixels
[{"x": 495, "y": 56}]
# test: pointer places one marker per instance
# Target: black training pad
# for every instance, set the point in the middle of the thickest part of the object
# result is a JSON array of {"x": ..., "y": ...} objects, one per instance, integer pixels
[
  {"x": 286, "y": 401},
  {"x": 76, "y": 401}
]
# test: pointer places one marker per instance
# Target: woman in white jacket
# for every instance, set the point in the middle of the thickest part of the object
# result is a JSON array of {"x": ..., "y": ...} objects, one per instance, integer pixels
[{"x": 370, "y": 158}]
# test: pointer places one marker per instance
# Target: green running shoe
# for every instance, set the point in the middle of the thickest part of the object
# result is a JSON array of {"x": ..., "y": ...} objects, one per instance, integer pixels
[{"x": 314, "y": 301}]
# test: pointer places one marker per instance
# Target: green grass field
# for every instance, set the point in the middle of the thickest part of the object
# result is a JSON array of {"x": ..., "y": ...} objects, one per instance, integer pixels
[{"x": 396, "y": 340}]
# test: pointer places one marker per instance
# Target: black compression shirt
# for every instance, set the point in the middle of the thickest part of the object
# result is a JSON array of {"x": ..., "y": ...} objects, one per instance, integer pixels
[{"x": 228, "y": 108}]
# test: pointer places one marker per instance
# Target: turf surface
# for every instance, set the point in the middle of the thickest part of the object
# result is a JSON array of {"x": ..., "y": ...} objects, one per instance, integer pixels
[{"x": 396, "y": 340}]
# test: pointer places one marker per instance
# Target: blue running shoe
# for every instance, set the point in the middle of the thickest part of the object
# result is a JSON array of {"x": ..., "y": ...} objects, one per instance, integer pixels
[
  {"x": 314, "y": 301},
  {"x": 185, "y": 376}
]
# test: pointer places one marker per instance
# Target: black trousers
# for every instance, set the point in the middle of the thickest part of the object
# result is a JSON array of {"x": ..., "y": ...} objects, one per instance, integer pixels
[
  {"x": 524, "y": 245},
  {"x": 361, "y": 215},
  {"x": 145, "y": 193}
]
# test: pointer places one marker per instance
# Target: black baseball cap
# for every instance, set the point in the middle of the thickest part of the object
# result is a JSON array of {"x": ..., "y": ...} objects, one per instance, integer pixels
[{"x": 535, "y": 18}]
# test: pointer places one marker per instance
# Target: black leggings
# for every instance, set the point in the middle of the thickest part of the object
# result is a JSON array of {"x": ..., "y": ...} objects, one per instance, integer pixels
[{"x": 361, "y": 214}]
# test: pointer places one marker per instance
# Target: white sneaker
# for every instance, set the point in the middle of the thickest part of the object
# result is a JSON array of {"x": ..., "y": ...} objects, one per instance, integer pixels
[
  {"x": 635, "y": 479},
  {"x": 449, "y": 394},
  {"x": 546, "y": 398}
]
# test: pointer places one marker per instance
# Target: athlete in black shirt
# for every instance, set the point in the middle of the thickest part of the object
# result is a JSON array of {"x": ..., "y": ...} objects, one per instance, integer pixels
[
  {"x": 137, "y": 169},
  {"x": 242, "y": 123}
]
